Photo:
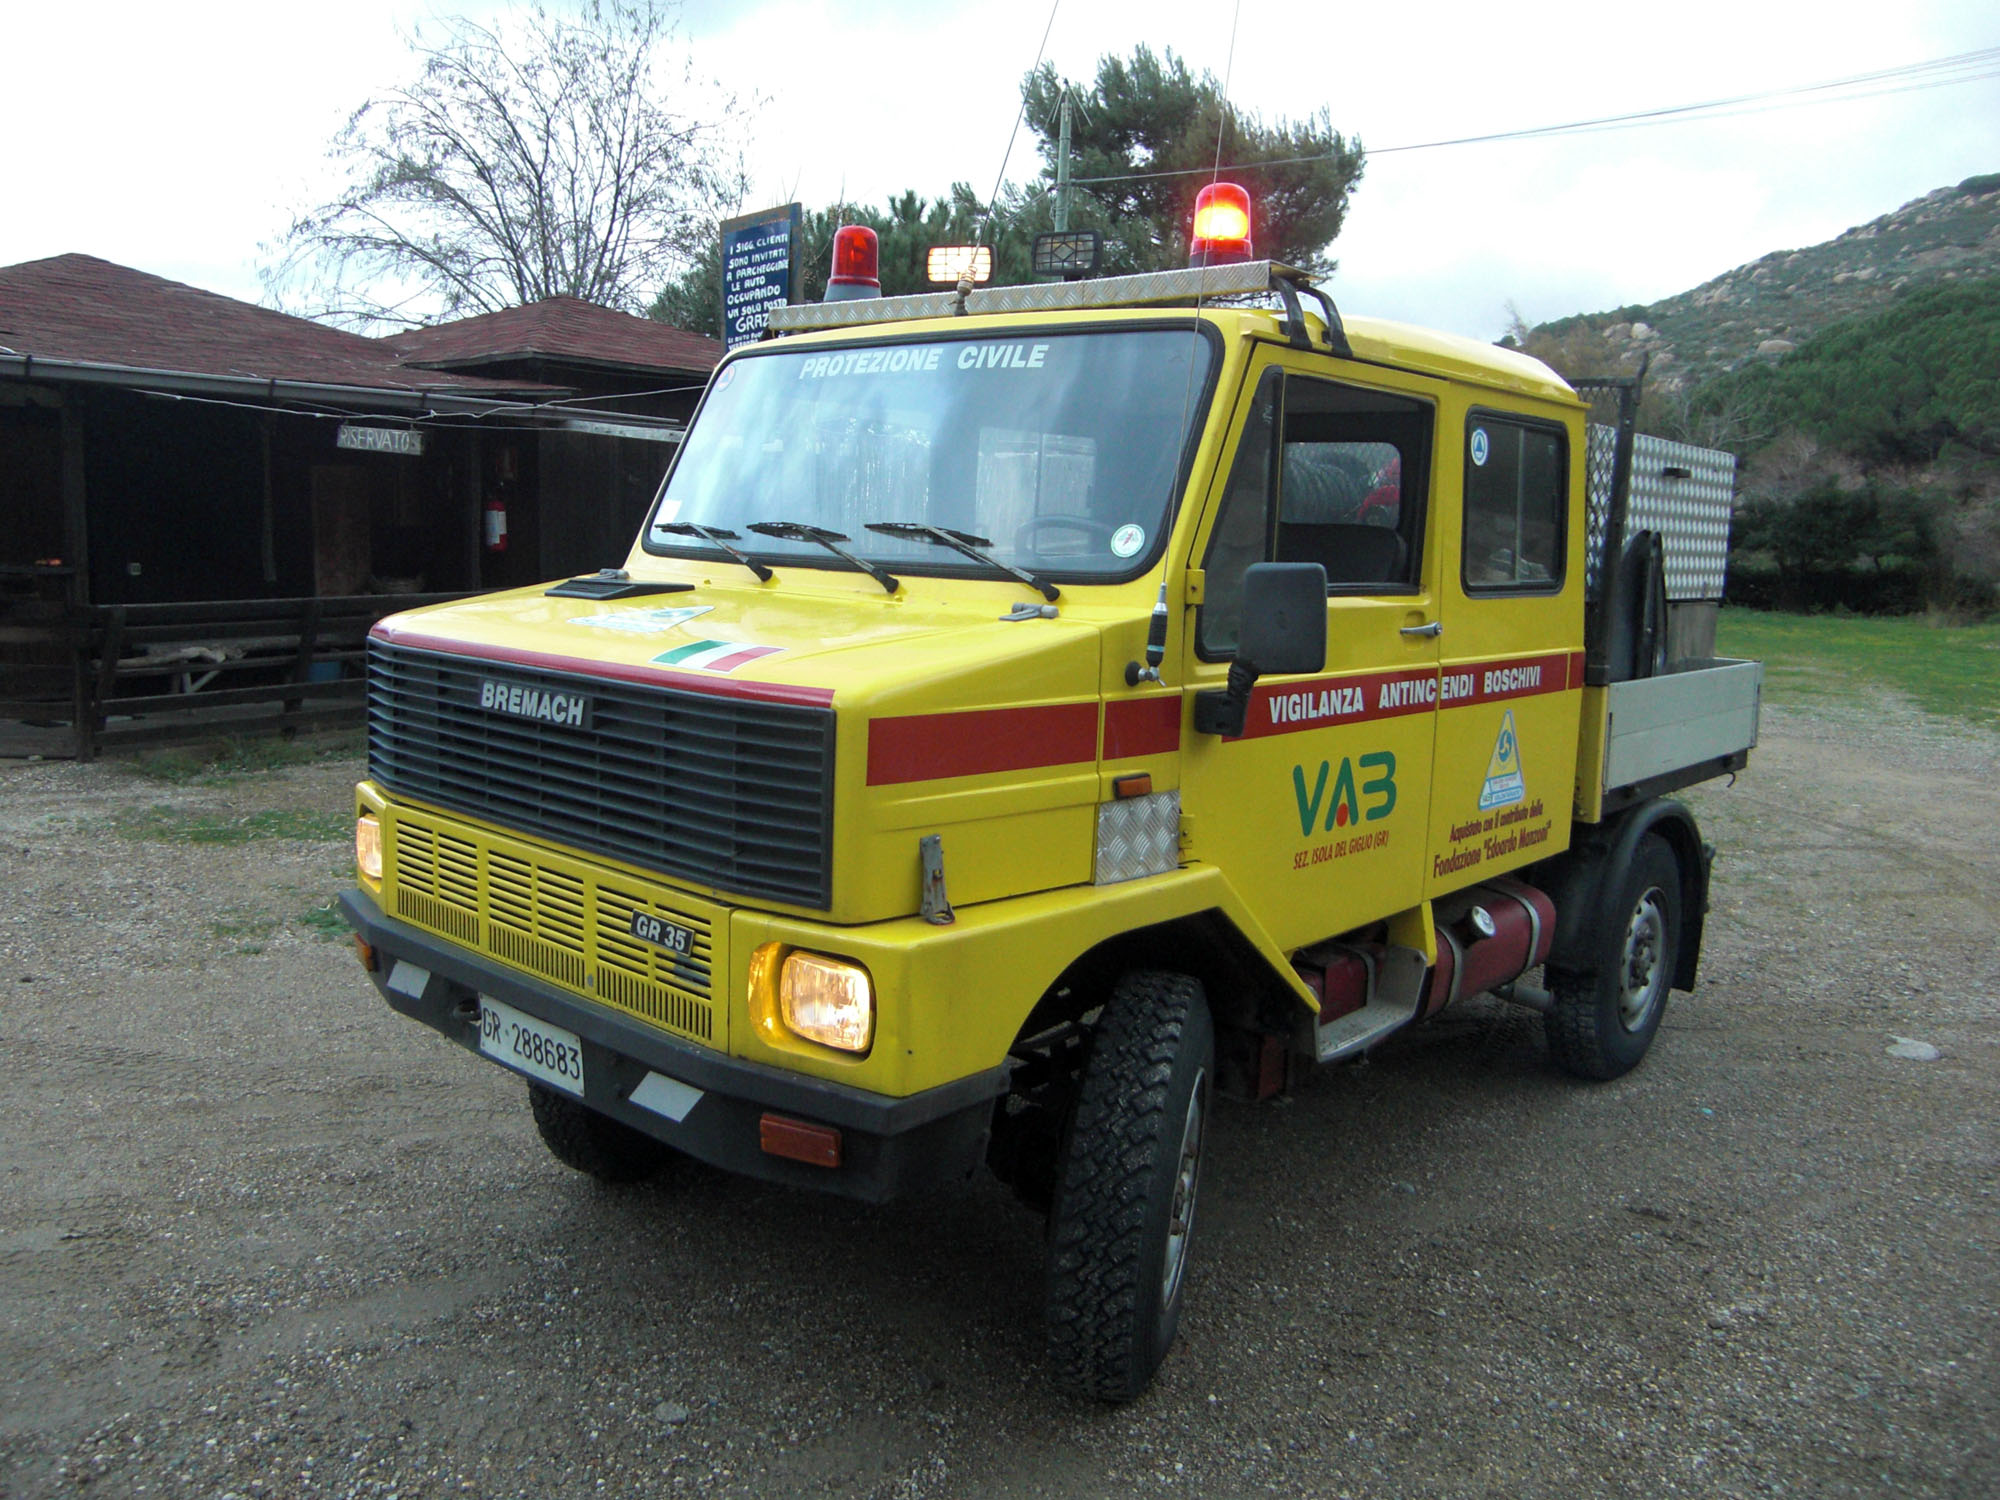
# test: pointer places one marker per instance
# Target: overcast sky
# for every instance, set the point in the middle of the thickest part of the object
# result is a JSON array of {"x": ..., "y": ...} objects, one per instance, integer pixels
[{"x": 179, "y": 138}]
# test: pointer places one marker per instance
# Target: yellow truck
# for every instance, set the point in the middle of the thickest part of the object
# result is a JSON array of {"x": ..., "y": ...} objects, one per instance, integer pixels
[{"x": 1029, "y": 712}]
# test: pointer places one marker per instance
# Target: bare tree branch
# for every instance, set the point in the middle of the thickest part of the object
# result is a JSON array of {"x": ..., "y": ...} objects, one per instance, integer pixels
[{"x": 552, "y": 154}]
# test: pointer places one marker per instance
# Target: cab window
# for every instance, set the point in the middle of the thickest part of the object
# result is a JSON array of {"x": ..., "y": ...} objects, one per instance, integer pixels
[
  {"x": 1516, "y": 482},
  {"x": 1349, "y": 468},
  {"x": 1355, "y": 471}
]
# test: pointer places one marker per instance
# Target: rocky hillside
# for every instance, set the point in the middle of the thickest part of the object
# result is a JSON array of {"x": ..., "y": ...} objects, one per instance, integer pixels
[{"x": 1764, "y": 309}]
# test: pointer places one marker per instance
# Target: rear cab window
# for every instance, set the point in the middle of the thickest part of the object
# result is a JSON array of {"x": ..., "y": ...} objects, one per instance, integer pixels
[{"x": 1516, "y": 505}]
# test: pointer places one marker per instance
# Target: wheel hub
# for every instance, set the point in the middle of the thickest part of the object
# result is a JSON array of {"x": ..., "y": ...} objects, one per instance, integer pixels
[
  {"x": 1644, "y": 974},
  {"x": 1187, "y": 1175}
]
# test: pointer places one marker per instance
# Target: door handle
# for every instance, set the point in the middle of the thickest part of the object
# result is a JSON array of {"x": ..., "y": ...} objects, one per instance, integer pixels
[{"x": 1436, "y": 627}]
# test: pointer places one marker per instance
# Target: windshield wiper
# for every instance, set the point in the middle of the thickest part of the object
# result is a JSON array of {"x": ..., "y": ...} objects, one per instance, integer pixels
[
  {"x": 966, "y": 542},
  {"x": 798, "y": 531},
  {"x": 715, "y": 536}
]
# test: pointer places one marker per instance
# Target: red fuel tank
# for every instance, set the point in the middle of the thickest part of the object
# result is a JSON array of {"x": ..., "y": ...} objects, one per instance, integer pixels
[{"x": 1487, "y": 935}]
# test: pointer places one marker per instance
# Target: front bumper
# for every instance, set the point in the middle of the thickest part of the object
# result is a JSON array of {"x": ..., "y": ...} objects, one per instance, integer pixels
[{"x": 888, "y": 1146}]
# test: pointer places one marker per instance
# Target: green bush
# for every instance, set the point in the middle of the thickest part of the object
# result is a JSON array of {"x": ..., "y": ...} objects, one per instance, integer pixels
[{"x": 1875, "y": 549}]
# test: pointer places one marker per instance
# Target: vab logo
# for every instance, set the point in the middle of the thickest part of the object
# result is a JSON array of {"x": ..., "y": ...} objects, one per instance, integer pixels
[{"x": 1345, "y": 810}]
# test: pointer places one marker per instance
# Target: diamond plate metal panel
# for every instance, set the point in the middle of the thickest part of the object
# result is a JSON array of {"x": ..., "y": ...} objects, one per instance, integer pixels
[
  {"x": 1058, "y": 296},
  {"x": 1601, "y": 453},
  {"x": 1684, "y": 493},
  {"x": 1137, "y": 836}
]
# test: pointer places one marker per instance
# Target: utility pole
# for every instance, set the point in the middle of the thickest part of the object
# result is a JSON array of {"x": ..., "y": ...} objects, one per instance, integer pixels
[{"x": 1062, "y": 166}]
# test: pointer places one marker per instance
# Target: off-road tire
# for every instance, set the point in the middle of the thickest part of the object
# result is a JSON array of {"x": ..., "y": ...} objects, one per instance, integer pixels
[
  {"x": 1115, "y": 1290},
  {"x": 594, "y": 1144},
  {"x": 1605, "y": 1017}
]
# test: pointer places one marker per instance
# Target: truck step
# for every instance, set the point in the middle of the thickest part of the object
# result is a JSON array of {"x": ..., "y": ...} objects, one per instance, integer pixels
[
  {"x": 1360, "y": 1029},
  {"x": 1394, "y": 1001}
]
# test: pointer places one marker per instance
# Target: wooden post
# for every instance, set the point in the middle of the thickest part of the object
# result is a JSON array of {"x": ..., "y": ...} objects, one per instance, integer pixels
[
  {"x": 111, "y": 647},
  {"x": 308, "y": 640},
  {"x": 76, "y": 520},
  {"x": 76, "y": 629}
]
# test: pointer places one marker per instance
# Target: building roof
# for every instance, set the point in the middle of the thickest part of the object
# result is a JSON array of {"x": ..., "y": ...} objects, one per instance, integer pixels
[
  {"x": 79, "y": 309},
  {"x": 565, "y": 329}
]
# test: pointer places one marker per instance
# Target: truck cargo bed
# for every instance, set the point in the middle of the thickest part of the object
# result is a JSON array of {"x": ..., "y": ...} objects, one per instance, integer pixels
[{"x": 1684, "y": 726}]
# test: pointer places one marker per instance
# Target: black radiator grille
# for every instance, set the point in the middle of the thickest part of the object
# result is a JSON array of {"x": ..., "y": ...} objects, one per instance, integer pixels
[{"x": 728, "y": 792}]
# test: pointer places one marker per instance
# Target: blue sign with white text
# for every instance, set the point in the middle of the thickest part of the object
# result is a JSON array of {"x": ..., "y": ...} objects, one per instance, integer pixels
[{"x": 759, "y": 260}]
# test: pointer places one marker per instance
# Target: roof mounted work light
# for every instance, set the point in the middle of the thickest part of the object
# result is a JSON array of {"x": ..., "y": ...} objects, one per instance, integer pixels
[
  {"x": 948, "y": 265},
  {"x": 857, "y": 259},
  {"x": 1069, "y": 253},
  {"x": 1221, "y": 226}
]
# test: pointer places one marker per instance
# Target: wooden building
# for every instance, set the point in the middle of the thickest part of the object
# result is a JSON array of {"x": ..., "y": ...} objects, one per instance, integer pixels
[
  {"x": 158, "y": 442},
  {"x": 163, "y": 446},
  {"x": 596, "y": 458}
]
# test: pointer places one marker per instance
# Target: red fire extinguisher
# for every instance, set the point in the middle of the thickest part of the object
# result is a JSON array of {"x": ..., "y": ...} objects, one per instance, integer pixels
[{"x": 496, "y": 524}]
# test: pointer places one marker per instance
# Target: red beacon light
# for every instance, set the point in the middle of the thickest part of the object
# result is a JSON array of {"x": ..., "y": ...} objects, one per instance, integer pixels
[
  {"x": 1221, "y": 226},
  {"x": 856, "y": 265}
]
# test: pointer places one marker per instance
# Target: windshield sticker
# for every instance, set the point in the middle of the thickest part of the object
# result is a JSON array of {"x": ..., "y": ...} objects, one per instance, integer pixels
[
  {"x": 1481, "y": 446},
  {"x": 1504, "y": 786},
  {"x": 1127, "y": 540},
  {"x": 871, "y": 362},
  {"x": 1002, "y": 357},
  {"x": 924, "y": 358},
  {"x": 644, "y": 621},
  {"x": 715, "y": 656},
  {"x": 725, "y": 377}
]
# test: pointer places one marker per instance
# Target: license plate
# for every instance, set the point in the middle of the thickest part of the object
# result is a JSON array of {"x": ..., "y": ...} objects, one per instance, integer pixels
[
  {"x": 661, "y": 933},
  {"x": 531, "y": 1046}
]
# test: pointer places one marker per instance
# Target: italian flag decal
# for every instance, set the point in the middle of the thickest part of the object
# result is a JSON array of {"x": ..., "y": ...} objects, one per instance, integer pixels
[{"x": 714, "y": 656}]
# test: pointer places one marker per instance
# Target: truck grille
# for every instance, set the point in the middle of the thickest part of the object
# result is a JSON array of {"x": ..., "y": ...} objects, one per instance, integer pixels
[
  {"x": 558, "y": 918},
  {"x": 732, "y": 793}
]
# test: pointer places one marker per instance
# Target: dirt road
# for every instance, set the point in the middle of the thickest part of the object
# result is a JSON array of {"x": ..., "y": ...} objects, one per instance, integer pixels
[{"x": 261, "y": 1237}]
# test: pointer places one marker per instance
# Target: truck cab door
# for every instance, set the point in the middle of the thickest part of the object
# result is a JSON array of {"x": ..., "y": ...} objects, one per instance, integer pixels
[
  {"x": 1318, "y": 812},
  {"x": 1511, "y": 502}
]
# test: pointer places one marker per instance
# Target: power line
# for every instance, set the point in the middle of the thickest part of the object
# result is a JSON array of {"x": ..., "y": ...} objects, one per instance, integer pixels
[
  {"x": 979, "y": 229},
  {"x": 1938, "y": 72}
]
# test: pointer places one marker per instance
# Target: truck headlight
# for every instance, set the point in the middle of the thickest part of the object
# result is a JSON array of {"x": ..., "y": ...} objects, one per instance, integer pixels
[
  {"x": 828, "y": 1001},
  {"x": 368, "y": 847}
]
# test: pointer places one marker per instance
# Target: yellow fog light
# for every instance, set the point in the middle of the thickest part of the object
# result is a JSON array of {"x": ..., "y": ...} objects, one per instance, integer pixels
[
  {"x": 368, "y": 847},
  {"x": 827, "y": 1001}
]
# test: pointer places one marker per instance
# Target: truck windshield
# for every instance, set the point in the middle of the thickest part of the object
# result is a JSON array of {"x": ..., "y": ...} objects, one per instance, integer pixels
[{"x": 1061, "y": 449}]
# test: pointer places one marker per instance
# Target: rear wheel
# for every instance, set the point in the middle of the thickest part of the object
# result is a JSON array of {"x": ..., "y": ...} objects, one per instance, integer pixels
[
  {"x": 594, "y": 1144},
  {"x": 1604, "y": 1018},
  {"x": 1127, "y": 1185}
]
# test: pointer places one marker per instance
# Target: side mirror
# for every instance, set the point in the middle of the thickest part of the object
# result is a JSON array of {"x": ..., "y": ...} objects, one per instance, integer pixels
[
  {"x": 1284, "y": 618},
  {"x": 1284, "y": 631}
]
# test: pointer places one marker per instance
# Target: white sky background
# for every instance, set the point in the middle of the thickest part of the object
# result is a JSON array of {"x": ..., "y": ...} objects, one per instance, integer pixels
[{"x": 178, "y": 139}]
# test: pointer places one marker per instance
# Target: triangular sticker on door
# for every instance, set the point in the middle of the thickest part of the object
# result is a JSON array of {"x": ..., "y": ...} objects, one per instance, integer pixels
[{"x": 1504, "y": 785}]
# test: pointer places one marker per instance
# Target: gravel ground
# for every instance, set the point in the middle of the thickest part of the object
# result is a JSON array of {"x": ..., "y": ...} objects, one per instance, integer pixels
[{"x": 261, "y": 1237}]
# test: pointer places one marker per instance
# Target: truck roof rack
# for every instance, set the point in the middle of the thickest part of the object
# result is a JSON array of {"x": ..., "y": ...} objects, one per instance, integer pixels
[{"x": 1148, "y": 289}]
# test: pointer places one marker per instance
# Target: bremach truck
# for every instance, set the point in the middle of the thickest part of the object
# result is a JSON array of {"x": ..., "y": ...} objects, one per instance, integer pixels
[{"x": 1031, "y": 712}]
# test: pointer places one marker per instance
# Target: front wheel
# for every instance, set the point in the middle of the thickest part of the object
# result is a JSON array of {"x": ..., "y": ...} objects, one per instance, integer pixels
[
  {"x": 1127, "y": 1184},
  {"x": 1604, "y": 1018},
  {"x": 594, "y": 1144}
]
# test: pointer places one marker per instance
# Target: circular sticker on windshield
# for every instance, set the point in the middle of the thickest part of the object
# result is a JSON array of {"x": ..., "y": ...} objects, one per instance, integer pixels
[
  {"x": 1481, "y": 446},
  {"x": 1127, "y": 540},
  {"x": 725, "y": 377}
]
